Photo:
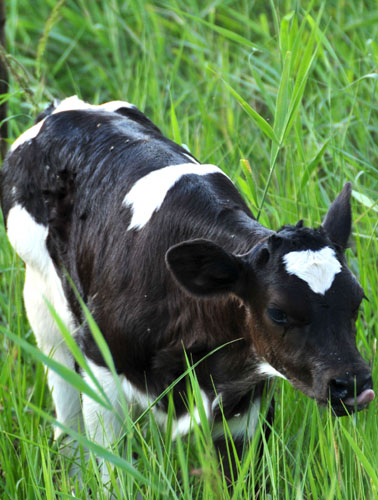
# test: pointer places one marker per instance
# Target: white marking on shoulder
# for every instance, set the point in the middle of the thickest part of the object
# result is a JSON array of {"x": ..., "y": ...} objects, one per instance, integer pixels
[
  {"x": 266, "y": 369},
  {"x": 69, "y": 104},
  {"x": 318, "y": 268},
  {"x": 113, "y": 106},
  {"x": 74, "y": 103},
  {"x": 29, "y": 134},
  {"x": 149, "y": 192},
  {"x": 28, "y": 238}
]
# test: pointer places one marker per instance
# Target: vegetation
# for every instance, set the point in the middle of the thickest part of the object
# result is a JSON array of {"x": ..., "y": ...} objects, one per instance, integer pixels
[{"x": 282, "y": 96}]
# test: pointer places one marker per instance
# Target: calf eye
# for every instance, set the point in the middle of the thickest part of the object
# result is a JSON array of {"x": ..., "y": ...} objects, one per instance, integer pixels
[{"x": 277, "y": 316}]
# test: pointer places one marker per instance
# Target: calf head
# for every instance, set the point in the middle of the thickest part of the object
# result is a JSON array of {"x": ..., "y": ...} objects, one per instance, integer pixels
[{"x": 302, "y": 303}]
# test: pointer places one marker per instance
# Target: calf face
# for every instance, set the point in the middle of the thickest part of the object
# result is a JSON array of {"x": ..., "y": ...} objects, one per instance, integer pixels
[{"x": 302, "y": 301}]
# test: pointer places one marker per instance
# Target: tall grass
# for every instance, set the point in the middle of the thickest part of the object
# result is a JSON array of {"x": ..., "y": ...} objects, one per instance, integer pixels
[{"x": 282, "y": 96}]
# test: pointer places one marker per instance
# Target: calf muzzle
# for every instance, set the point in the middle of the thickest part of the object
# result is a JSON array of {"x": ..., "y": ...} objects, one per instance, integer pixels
[{"x": 350, "y": 392}]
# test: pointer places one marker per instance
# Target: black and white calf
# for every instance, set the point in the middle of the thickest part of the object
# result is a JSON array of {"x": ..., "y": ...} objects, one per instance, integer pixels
[{"x": 167, "y": 256}]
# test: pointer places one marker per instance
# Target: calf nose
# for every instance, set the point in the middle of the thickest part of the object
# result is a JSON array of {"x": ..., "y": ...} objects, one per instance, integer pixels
[{"x": 352, "y": 389}]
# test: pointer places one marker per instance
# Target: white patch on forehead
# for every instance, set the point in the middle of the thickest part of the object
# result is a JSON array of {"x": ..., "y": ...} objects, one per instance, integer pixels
[
  {"x": 149, "y": 192},
  {"x": 318, "y": 268},
  {"x": 266, "y": 369}
]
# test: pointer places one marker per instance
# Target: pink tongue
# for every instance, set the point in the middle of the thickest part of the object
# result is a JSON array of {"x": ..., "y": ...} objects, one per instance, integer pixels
[{"x": 362, "y": 399}]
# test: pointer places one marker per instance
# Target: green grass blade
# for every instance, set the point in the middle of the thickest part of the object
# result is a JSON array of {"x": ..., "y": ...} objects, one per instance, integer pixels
[
  {"x": 372, "y": 473},
  {"x": 69, "y": 375},
  {"x": 258, "y": 119}
]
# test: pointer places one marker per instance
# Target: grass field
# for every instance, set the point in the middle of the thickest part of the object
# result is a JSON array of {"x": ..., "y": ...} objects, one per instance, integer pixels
[{"x": 282, "y": 96}]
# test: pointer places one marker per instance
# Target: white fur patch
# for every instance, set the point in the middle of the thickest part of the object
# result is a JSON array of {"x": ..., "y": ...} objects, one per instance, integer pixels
[
  {"x": 193, "y": 160},
  {"x": 134, "y": 398},
  {"x": 42, "y": 283},
  {"x": 318, "y": 268},
  {"x": 240, "y": 424},
  {"x": 74, "y": 103},
  {"x": 266, "y": 369},
  {"x": 70, "y": 104},
  {"x": 29, "y": 134},
  {"x": 39, "y": 287},
  {"x": 28, "y": 238},
  {"x": 149, "y": 192},
  {"x": 115, "y": 105},
  {"x": 216, "y": 402},
  {"x": 103, "y": 425},
  {"x": 182, "y": 425}
]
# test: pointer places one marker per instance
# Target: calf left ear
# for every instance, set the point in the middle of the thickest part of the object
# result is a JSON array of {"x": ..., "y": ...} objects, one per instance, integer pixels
[
  {"x": 338, "y": 221},
  {"x": 203, "y": 268}
]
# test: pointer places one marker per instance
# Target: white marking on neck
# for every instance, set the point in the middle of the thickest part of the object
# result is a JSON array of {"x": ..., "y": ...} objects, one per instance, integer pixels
[
  {"x": 318, "y": 268},
  {"x": 266, "y": 369},
  {"x": 149, "y": 192}
]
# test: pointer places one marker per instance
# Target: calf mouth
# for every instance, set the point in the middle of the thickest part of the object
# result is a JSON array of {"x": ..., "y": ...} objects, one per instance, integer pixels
[{"x": 351, "y": 405}]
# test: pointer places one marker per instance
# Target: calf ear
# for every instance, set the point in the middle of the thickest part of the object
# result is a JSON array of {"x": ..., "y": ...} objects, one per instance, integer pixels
[
  {"x": 338, "y": 221},
  {"x": 203, "y": 268}
]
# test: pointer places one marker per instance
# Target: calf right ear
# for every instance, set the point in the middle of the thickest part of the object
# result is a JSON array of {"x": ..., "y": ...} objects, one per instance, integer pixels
[
  {"x": 204, "y": 269},
  {"x": 338, "y": 221}
]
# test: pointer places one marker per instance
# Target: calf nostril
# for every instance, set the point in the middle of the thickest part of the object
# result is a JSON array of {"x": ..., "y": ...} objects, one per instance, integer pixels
[
  {"x": 351, "y": 388},
  {"x": 339, "y": 382},
  {"x": 338, "y": 388}
]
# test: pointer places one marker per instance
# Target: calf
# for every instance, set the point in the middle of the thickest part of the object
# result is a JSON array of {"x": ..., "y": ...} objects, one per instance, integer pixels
[{"x": 171, "y": 263}]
